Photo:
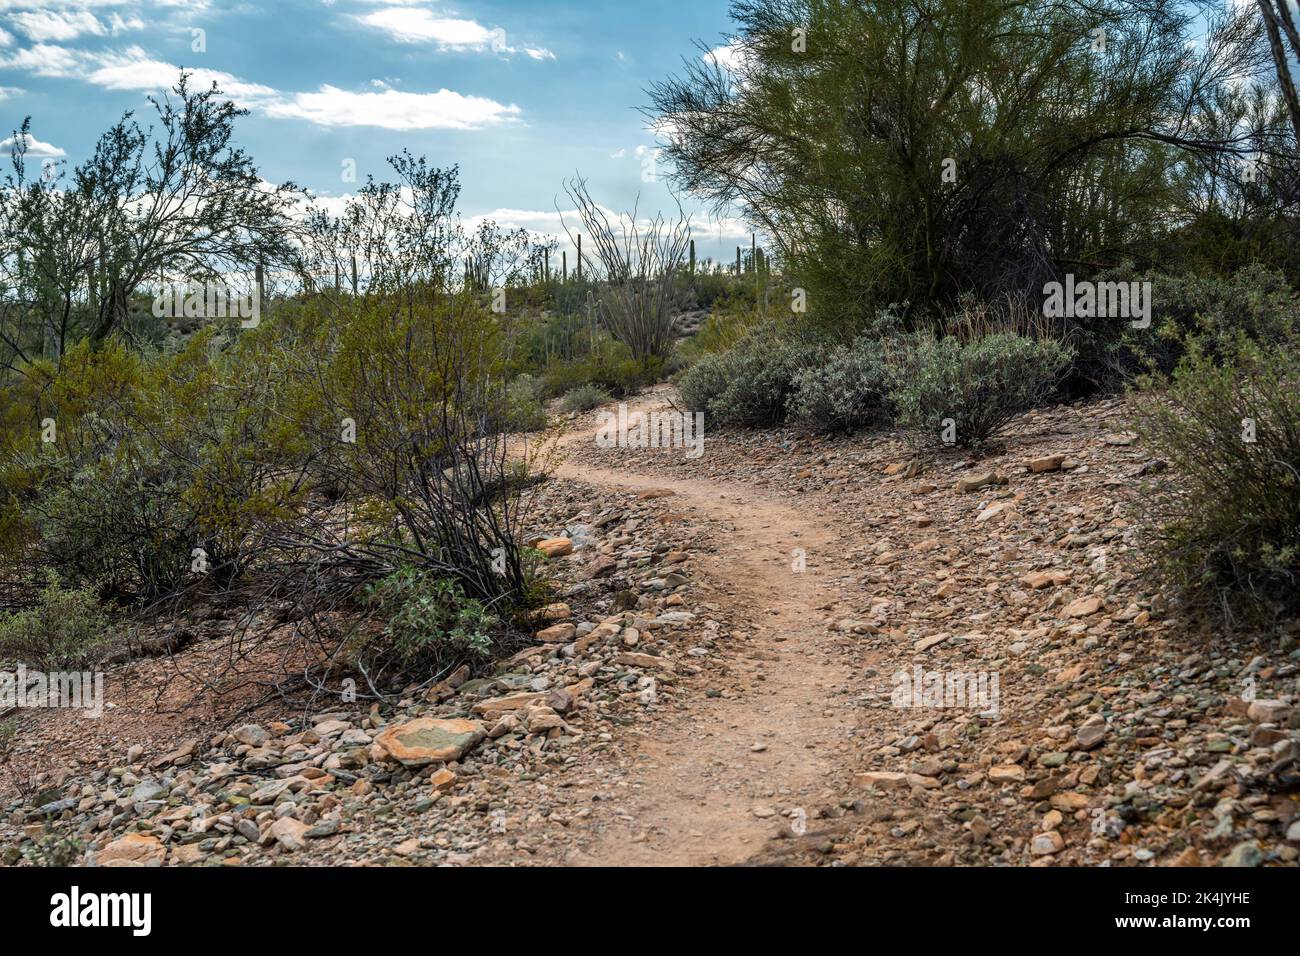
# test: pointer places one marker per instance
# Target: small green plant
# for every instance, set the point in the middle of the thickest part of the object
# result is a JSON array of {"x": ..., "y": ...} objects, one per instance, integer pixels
[
  {"x": 54, "y": 849},
  {"x": 848, "y": 389},
  {"x": 749, "y": 384},
  {"x": 524, "y": 411},
  {"x": 609, "y": 366},
  {"x": 1227, "y": 535},
  {"x": 428, "y": 621},
  {"x": 584, "y": 398},
  {"x": 61, "y": 632},
  {"x": 944, "y": 388}
]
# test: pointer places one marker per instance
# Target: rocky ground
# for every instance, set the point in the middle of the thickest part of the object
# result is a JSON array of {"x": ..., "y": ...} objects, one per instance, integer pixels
[{"x": 718, "y": 683}]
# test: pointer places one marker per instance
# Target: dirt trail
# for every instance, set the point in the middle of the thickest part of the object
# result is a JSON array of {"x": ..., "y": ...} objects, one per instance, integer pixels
[{"x": 704, "y": 773}]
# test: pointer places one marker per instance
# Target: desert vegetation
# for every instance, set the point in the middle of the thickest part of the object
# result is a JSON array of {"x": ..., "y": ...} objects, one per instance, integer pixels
[{"x": 329, "y": 427}]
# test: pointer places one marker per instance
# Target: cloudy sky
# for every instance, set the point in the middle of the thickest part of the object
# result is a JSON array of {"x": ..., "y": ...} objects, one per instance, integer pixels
[{"x": 520, "y": 93}]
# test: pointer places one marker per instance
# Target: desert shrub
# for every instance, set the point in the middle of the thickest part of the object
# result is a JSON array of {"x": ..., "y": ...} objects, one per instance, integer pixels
[
  {"x": 1228, "y": 422},
  {"x": 749, "y": 384},
  {"x": 1254, "y": 300},
  {"x": 979, "y": 385},
  {"x": 732, "y": 318},
  {"x": 608, "y": 366},
  {"x": 708, "y": 288},
  {"x": 428, "y": 622},
  {"x": 642, "y": 261},
  {"x": 119, "y": 521},
  {"x": 584, "y": 398},
  {"x": 422, "y": 479},
  {"x": 61, "y": 631},
  {"x": 537, "y": 341},
  {"x": 150, "y": 459},
  {"x": 524, "y": 411},
  {"x": 847, "y": 389}
]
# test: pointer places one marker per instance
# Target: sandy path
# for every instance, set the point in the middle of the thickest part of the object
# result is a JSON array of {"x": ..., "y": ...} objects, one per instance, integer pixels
[{"x": 700, "y": 776}]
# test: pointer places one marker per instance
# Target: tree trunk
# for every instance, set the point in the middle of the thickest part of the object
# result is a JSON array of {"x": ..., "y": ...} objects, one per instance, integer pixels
[{"x": 1272, "y": 22}]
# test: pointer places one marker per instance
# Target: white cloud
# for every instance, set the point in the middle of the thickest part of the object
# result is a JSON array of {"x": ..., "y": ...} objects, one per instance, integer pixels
[
  {"x": 391, "y": 109},
  {"x": 35, "y": 148},
  {"x": 118, "y": 24},
  {"x": 42, "y": 25},
  {"x": 618, "y": 153},
  {"x": 407, "y": 24},
  {"x": 135, "y": 69},
  {"x": 43, "y": 59},
  {"x": 728, "y": 57}
]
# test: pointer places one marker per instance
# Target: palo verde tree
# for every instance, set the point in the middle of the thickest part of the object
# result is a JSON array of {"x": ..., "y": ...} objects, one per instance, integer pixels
[{"x": 919, "y": 151}]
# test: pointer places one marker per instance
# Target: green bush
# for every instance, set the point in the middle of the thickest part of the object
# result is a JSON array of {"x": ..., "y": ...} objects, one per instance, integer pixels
[
  {"x": 61, "y": 631},
  {"x": 848, "y": 389},
  {"x": 749, "y": 384},
  {"x": 1254, "y": 300},
  {"x": 1227, "y": 535},
  {"x": 120, "y": 522},
  {"x": 584, "y": 398},
  {"x": 152, "y": 457},
  {"x": 979, "y": 386},
  {"x": 428, "y": 622},
  {"x": 608, "y": 366},
  {"x": 524, "y": 410}
]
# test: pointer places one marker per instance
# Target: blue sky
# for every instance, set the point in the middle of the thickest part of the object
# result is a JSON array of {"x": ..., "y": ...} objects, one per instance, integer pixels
[{"x": 520, "y": 94}]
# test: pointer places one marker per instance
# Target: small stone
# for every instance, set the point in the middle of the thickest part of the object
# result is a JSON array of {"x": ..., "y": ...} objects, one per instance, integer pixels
[
  {"x": 428, "y": 740},
  {"x": 602, "y": 567},
  {"x": 557, "y": 634},
  {"x": 1082, "y": 607},
  {"x": 1045, "y": 844},
  {"x": 883, "y": 779},
  {"x": 1269, "y": 711},
  {"x": 1006, "y": 773},
  {"x": 1189, "y": 857},
  {"x": 554, "y": 613},
  {"x": 1045, "y": 579},
  {"x": 187, "y": 855},
  {"x": 925, "y": 643},
  {"x": 146, "y": 791},
  {"x": 1090, "y": 736},
  {"x": 1046, "y": 463},
  {"x": 1244, "y": 854},
  {"x": 555, "y": 547},
  {"x": 134, "y": 849},
  {"x": 289, "y": 833},
  {"x": 251, "y": 734},
  {"x": 998, "y": 511},
  {"x": 977, "y": 481}
]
